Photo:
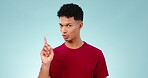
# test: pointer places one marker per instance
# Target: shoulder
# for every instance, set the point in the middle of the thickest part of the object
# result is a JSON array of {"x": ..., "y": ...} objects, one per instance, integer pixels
[
  {"x": 58, "y": 48},
  {"x": 93, "y": 49}
]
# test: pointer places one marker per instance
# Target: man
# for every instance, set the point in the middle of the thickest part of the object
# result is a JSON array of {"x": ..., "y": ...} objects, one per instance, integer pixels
[{"x": 74, "y": 58}]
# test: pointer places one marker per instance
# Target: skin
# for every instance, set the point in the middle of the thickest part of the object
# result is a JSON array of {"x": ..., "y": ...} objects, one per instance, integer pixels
[
  {"x": 70, "y": 30},
  {"x": 46, "y": 57}
]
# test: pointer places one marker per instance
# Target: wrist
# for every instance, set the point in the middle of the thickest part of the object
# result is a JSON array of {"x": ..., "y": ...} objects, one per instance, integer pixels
[
  {"x": 46, "y": 62},
  {"x": 45, "y": 65}
]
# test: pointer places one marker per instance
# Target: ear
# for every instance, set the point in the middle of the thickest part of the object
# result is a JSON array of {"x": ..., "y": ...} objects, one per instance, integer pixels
[{"x": 80, "y": 25}]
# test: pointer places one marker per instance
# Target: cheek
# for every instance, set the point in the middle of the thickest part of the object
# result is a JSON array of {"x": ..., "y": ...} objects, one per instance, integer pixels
[
  {"x": 60, "y": 30},
  {"x": 73, "y": 31}
]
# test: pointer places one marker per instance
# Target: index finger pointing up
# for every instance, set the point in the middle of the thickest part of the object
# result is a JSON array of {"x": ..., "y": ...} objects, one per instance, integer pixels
[{"x": 45, "y": 41}]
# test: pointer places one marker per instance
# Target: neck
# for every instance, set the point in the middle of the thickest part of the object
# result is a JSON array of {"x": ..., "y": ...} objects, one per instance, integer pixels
[{"x": 74, "y": 44}]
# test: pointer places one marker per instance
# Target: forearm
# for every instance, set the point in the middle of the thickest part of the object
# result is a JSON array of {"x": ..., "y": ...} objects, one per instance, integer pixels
[{"x": 44, "y": 71}]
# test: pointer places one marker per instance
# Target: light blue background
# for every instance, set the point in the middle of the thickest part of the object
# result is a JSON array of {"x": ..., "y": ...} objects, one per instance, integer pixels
[{"x": 118, "y": 27}]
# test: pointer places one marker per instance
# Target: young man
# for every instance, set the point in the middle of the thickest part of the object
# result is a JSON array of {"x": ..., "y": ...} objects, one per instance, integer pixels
[{"x": 74, "y": 58}]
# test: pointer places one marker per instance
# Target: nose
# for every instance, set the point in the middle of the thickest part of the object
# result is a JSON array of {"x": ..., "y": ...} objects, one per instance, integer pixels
[{"x": 63, "y": 30}]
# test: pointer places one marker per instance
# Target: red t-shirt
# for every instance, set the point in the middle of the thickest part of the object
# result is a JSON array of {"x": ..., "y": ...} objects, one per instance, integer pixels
[{"x": 84, "y": 62}]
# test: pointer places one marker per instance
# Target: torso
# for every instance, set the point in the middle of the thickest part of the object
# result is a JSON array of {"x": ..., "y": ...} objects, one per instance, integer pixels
[{"x": 75, "y": 63}]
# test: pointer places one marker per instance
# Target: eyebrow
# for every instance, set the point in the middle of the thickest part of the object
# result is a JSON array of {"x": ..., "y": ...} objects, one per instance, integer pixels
[
  {"x": 60, "y": 24},
  {"x": 66, "y": 24}
]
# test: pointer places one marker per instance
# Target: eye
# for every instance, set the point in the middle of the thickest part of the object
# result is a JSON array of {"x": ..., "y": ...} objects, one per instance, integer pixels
[
  {"x": 61, "y": 25},
  {"x": 69, "y": 25}
]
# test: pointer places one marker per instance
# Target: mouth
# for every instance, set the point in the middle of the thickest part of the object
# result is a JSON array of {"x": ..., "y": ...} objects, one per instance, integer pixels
[{"x": 65, "y": 36}]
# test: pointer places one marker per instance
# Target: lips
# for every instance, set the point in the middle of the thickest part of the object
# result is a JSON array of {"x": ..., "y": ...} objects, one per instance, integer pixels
[{"x": 65, "y": 36}]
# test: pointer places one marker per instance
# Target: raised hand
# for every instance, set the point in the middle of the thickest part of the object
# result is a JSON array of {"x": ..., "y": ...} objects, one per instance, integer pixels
[{"x": 46, "y": 53}]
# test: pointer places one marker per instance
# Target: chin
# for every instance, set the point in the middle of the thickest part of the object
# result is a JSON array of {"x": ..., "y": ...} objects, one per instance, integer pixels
[{"x": 68, "y": 40}]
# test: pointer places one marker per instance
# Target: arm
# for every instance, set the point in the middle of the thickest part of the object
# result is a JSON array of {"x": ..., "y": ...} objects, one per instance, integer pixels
[
  {"x": 44, "y": 71},
  {"x": 46, "y": 57}
]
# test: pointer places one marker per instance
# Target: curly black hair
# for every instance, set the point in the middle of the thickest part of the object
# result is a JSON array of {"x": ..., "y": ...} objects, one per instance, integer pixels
[{"x": 71, "y": 10}]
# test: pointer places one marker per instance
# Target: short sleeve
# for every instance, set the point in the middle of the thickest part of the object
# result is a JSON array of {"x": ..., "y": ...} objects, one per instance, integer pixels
[{"x": 101, "y": 67}]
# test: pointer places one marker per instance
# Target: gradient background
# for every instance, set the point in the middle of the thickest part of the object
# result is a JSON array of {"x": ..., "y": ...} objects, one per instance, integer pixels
[{"x": 118, "y": 27}]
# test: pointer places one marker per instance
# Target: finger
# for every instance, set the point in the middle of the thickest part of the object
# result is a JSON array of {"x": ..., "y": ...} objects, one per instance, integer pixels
[
  {"x": 47, "y": 50},
  {"x": 47, "y": 46},
  {"x": 51, "y": 51},
  {"x": 44, "y": 53},
  {"x": 45, "y": 41}
]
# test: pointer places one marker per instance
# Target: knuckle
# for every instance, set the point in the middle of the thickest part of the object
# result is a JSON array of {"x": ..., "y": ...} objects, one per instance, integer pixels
[{"x": 45, "y": 48}]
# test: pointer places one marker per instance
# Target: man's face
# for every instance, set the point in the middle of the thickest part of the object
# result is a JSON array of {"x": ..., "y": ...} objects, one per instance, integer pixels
[{"x": 70, "y": 28}]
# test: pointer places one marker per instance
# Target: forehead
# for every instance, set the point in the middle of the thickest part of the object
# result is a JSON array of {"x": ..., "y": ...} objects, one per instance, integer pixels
[{"x": 64, "y": 20}]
